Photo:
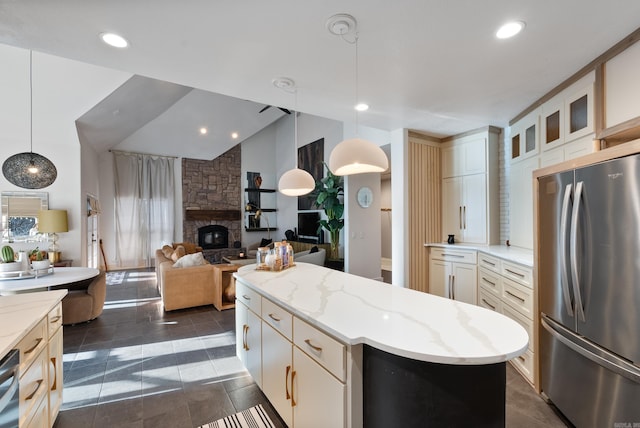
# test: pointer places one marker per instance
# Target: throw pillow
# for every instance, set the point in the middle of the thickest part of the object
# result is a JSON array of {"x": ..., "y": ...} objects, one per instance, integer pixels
[
  {"x": 189, "y": 247},
  {"x": 178, "y": 253},
  {"x": 265, "y": 242},
  {"x": 313, "y": 249},
  {"x": 189, "y": 260},
  {"x": 167, "y": 250}
]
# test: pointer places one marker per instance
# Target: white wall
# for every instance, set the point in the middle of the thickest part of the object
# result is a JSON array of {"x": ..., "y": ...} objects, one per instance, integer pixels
[
  {"x": 400, "y": 206},
  {"x": 63, "y": 90}
]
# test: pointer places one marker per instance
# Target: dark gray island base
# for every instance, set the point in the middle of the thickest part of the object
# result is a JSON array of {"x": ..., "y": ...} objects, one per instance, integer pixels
[{"x": 402, "y": 392}]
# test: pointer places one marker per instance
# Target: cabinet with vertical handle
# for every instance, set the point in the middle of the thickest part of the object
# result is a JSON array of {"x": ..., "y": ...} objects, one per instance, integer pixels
[{"x": 453, "y": 274}]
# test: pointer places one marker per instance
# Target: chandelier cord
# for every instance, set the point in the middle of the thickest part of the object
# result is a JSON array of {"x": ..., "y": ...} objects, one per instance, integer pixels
[
  {"x": 295, "y": 129},
  {"x": 31, "y": 99},
  {"x": 357, "y": 82}
]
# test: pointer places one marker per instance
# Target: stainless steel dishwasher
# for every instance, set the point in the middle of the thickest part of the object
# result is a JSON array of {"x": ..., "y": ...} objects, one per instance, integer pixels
[{"x": 9, "y": 390}]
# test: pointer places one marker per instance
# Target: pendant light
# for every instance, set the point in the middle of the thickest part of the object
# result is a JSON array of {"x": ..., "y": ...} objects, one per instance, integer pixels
[
  {"x": 354, "y": 155},
  {"x": 296, "y": 181},
  {"x": 29, "y": 170}
]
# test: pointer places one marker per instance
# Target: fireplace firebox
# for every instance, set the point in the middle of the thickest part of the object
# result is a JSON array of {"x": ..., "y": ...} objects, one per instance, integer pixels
[{"x": 213, "y": 236}]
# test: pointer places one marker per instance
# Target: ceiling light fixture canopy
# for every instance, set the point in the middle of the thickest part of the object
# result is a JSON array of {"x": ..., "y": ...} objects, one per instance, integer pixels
[
  {"x": 29, "y": 170},
  {"x": 296, "y": 181},
  {"x": 354, "y": 155}
]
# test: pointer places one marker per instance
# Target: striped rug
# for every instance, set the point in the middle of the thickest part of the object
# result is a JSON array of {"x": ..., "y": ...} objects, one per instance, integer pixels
[{"x": 255, "y": 417}]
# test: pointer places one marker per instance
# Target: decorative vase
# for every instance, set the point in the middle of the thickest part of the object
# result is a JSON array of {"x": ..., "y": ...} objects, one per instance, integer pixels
[
  {"x": 334, "y": 249},
  {"x": 40, "y": 264},
  {"x": 10, "y": 267}
]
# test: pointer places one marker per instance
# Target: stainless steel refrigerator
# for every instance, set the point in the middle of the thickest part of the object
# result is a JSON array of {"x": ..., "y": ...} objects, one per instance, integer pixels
[{"x": 589, "y": 288}]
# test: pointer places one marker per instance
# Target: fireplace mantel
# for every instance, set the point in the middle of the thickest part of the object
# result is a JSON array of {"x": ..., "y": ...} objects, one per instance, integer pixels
[{"x": 208, "y": 215}]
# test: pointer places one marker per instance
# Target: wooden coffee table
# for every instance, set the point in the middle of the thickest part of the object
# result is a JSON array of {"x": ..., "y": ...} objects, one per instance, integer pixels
[{"x": 235, "y": 260}]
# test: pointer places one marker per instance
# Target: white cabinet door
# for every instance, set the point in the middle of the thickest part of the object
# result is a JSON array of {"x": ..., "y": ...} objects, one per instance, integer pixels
[
  {"x": 452, "y": 208},
  {"x": 521, "y": 203},
  {"x": 464, "y": 283},
  {"x": 439, "y": 277},
  {"x": 474, "y": 209},
  {"x": 249, "y": 341},
  {"x": 319, "y": 397},
  {"x": 277, "y": 371},
  {"x": 464, "y": 159}
]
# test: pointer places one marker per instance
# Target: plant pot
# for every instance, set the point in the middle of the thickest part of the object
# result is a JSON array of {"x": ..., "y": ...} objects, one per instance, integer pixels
[
  {"x": 10, "y": 267},
  {"x": 40, "y": 264}
]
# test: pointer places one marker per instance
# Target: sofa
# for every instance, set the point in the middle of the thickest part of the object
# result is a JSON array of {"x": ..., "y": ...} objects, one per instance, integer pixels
[
  {"x": 84, "y": 300},
  {"x": 316, "y": 258},
  {"x": 183, "y": 287}
]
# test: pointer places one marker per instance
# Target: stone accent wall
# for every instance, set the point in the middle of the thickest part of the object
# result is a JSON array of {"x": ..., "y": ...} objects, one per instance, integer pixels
[{"x": 213, "y": 185}]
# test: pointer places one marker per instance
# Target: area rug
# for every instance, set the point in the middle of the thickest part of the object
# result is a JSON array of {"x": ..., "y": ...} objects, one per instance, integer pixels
[{"x": 255, "y": 417}]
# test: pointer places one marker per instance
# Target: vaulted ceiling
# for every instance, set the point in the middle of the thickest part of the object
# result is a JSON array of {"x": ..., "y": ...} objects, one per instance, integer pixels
[{"x": 428, "y": 65}]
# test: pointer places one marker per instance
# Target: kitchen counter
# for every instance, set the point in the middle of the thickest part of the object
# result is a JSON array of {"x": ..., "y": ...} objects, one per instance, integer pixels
[
  {"x": 21, "y": 312},
  {"x": 402, "y": 343},
  {"x": 400, "y": 321},
  {"x": 518, "y": 255}
]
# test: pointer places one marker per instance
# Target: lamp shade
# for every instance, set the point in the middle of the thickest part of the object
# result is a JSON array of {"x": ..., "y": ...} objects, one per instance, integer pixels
[
  {"x": 29, "y": 170},
  {"x": 357, "y": 156},
  {"x": 53, "y": 221},
  {"x": 296, "y": 182}
]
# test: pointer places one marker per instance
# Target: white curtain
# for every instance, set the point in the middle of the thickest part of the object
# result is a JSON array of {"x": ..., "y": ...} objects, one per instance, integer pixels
[{"x": 144, "y": 216}]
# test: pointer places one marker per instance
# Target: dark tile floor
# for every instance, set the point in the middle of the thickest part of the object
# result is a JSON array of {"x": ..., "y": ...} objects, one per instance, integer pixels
[{"x": 138, "y": 366}]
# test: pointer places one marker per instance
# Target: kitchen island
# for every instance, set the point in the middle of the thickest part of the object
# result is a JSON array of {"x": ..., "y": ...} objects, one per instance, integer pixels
[
  {"x": 386, "y": 356},
  {"x": 32, "y": 324}
]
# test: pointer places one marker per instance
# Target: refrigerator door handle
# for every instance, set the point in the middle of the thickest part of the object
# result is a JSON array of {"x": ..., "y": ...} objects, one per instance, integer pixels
[
  {"x": 563, "y": 248},
  {"x": 590, "y": 351},
  {"x": 577, "y": 199}
]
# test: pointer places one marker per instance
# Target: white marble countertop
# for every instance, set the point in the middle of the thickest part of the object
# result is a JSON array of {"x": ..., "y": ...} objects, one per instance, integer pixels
[
  {"x": 519, "y": 255},
  {"x": 60, "y": 276},
  {"x": 401, "y": 321},
  {"x": 20, "y": 313}
]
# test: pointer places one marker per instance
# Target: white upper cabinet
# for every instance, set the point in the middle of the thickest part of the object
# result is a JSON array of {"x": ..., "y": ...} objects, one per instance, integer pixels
[
  {"x": 525, "y": 137},
  {"x": 569, "y": 115},
  {"x": 467, "y": 157}
]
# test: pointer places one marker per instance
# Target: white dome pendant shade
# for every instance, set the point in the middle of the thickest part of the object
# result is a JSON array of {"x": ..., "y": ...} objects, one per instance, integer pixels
[
  {"x": 296, "y": 182},
  {"x": 357, "y": 156}
]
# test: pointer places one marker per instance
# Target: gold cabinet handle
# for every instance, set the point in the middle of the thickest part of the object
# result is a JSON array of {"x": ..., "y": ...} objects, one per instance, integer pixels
[
  {"x": 245, "y": 297},
  {"x": 39, "y": 382},
  {"x": 286, "y": 383},
  {"x": 293, "y": 400},
  {"x": 55, "y": 319},
  {"x": 488, "y": 262},
  {"x": 312, "y": 346},
  {"x": 38, "y": 340},
  {"x": 453, "y": 287},
  {"x": 460, "y": 217},
  {"x": 54, "y": 369},
  {"x": 245, "y": 329},
  {"x": 275, "y": 318},
  {"x": 464, "y": 210},
  {"x": 521, "y": 358},
  {"x": 488, "y": 282}
]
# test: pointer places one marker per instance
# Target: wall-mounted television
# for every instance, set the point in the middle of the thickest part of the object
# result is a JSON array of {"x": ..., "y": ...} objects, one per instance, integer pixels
[{"x": 308, "y": 223}]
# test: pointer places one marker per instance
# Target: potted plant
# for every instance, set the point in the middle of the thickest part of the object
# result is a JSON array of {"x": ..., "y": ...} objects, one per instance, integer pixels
[
  {"x": 8, "y": 257},
  {"x": 38, "y": 261},
  {"x": 329, "y": 197}
]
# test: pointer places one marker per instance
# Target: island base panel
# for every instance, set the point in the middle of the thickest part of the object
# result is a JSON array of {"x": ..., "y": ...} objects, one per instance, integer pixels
[{"x": 403, "y": 392}]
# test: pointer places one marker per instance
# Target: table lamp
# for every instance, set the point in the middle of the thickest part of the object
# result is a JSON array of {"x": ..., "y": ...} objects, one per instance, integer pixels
[{"x": 52, "y": 222}]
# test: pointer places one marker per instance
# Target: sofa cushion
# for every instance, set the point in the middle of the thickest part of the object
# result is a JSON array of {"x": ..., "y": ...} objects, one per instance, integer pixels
[
  {"x": 178, "y": 253},
  {"x": 189, "y": 260},
  {"x": 189, "y": 247},
  {"x": 167, "y": 250}
]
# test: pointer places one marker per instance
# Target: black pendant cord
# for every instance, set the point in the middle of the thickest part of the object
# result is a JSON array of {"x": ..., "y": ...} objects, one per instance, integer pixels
[{"x": 31, "y": 100}]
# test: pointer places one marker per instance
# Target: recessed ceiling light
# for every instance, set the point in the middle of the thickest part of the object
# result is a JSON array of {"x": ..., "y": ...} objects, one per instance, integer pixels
[
  {"x": 203, "y": 131},
  {"x": 510, "y": 29},
  {"x": 114, "y": 40},
  {"x": 362, "y": 107},
  {"x": 234, "y": 135}
]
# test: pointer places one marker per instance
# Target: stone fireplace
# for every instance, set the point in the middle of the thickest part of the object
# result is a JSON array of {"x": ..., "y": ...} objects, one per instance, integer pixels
[{"x": 212, "y": 201}]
